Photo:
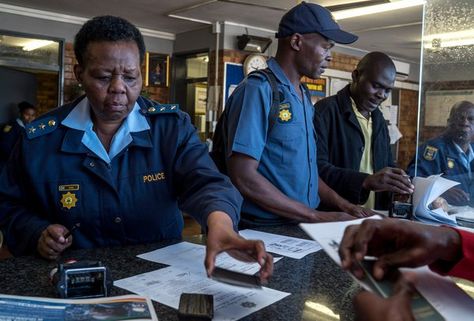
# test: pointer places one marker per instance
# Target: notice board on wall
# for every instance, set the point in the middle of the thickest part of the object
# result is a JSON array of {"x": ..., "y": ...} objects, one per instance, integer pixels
[
  {"x": 233, "y": 75},
  {"x": 438, "y": 104}
]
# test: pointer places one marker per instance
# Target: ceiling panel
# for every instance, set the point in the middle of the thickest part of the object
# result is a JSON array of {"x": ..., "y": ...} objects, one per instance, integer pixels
[{"x": 396, "y": 32}]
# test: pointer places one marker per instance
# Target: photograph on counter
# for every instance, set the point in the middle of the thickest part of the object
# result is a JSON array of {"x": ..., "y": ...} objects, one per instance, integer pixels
[{"x": 157, "y": 69}]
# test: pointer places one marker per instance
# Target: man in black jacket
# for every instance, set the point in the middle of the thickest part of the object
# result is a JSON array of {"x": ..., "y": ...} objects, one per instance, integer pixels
[{"x": 354, "y": 156}]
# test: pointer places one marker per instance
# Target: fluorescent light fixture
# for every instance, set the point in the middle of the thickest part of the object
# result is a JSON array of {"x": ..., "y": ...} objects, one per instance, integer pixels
[
  {"x": 35, "y": 44},
  {"x": 253, "y": 43},
  {"x": 378, "y": 8},
  {"x": 449, "y": 39}
]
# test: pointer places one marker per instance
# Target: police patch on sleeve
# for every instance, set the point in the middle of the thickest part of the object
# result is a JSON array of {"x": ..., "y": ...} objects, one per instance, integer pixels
[
  {"x": 285, "y": 113},
  {"x": 450, "y": 162},
  {"x": 430, "y": 153}
]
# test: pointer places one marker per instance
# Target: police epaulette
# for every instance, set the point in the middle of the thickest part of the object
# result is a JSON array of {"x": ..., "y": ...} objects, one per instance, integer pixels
[
  {"x": 161, "y": 109},
  {"x": 41, "y": 127}
]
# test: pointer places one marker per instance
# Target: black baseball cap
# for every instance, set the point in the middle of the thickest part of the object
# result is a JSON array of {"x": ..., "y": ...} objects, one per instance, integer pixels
[{"x": 311, "y": 18}]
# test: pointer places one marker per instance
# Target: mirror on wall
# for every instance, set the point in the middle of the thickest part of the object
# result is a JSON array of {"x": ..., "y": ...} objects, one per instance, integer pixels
[
  {"x": 446, "y": 115},
  {"x": 30, "y": 70}
]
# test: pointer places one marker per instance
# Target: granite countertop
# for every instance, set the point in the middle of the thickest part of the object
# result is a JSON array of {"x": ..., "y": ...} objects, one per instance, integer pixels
[{"x": 313, "y": 280}]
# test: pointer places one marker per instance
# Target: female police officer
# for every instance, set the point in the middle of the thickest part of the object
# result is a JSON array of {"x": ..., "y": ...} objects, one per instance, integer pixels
[{"x": 117, "y": 164}]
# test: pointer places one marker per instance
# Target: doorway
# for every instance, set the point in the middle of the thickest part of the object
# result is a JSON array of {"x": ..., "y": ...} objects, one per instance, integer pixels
[
  {"x": 30, "y": 70},
  {"x": 190, "y": 87}
]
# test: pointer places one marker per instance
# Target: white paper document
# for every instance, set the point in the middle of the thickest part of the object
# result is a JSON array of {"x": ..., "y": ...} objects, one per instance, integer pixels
[
  {"x": 190, "y": 256},
  {"x": 427, "y": 189},
  {"x": 283, "y": 245},
  {"x": 441, "y": 292},
  {"x": 230, "y": 302}
]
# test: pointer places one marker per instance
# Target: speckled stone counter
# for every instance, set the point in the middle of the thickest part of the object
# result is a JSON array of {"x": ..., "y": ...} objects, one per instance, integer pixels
[{"x": 312, "y": 281}]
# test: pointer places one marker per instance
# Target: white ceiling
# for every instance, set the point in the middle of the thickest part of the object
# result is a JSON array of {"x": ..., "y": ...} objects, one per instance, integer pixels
[{"x": 398, "y": 33}]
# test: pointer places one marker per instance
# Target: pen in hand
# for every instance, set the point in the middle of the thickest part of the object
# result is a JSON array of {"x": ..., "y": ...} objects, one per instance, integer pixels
[{"x": 75, "y": 226}]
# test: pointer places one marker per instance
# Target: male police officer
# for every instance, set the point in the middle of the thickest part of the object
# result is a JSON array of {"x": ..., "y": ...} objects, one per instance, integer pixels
[
  {"x": 276, "y": 170},
  {"x": 451, "y": 154},
  {"x": 118, "y": 164}
]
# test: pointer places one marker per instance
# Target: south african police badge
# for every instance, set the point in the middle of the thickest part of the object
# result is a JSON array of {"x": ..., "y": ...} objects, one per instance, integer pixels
[{"x": 285, "y": 113}]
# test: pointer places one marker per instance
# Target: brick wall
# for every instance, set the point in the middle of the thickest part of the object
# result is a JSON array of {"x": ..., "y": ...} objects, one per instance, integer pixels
[
  {"x": 343, "y": 62},
  {"x": 46, "y": 92},
  {"x": 408, "y": 112},
  {"x": 72, "y": 89}
]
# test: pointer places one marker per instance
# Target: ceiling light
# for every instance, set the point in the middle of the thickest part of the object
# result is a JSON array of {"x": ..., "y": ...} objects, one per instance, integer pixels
[
  {"x": 378, "y": 8},
  {"x": 449, "y": 39},
  {"x": 253, "y": 43},
  {"x": 35, "y": 44}
]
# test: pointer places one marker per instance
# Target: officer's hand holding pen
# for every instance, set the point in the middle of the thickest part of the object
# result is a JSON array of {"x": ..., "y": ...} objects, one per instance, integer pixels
[{"x": 52, "y": 241}]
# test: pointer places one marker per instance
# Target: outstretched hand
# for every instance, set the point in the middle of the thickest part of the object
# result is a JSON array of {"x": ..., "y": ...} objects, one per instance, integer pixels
[
  {"x": 222, "y": 238},
  {"x": 456, "y": 196},
  {"x": 371, "y": 307},
  {"x": 397, "y": 243},
  {"x": 389, "y": 179}
]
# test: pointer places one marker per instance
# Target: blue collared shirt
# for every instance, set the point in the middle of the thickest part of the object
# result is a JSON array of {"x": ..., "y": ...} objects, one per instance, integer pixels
[
  {"x": 80, "y": 118},
  {"x": 286, "y": 154},
  {"x": 465, "y": 158},
  {"x": 20, "y": 122}
]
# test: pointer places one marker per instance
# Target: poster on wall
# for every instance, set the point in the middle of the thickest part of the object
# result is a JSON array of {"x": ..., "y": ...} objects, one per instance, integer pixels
[
  {"x": 156, "y": 69},
  {"x": 317, "y": 87},
  {"x": 200, "y": 99},
  {"x": 438, "y": 104},
  {"x": 233, "y": 75},
  {"x": 337, "y": 84}
]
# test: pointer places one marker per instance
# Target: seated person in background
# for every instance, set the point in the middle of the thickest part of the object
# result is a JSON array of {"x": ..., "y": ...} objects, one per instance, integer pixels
[
  {"x": 12, "y": 131},
  {"x": 354, "y": 154},
  {"x": 400, "y": 243},
  {"x": 120, "y": 165},
  {"x": 276, "y": 170},
  {"x": 451, "y": 154}
]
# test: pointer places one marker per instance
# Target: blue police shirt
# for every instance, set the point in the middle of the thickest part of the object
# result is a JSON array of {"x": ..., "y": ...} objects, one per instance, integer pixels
[
  {"x": 286, "y": 154},
  {"x": 134, "y": 194},
  {"x": 442, "y": 155}
]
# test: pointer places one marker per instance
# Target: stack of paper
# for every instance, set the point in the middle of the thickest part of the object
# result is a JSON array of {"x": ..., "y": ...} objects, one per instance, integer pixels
[{"x": 427, "y": 189}]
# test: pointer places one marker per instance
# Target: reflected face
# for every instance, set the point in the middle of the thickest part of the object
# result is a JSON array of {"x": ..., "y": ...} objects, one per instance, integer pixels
[
  {"x": 111, "y": 78},
  {"x": 461, "y": 124},
  {"x": 315, "y": 55},
  {"x": 372, "y": 86},
  {"x": 28, "y": 115}
]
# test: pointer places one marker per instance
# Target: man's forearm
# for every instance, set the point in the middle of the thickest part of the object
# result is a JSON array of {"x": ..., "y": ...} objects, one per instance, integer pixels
[
  {"x": 256, "y": 188},
  {"x": 331, "y": 198}
]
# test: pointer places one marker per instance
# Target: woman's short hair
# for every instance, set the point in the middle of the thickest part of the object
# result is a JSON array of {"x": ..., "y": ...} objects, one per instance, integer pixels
[{"x": 107, "y": 28}]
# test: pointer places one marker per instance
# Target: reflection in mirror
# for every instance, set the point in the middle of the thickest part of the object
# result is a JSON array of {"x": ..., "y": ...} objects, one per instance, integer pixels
[
  {"x": 446, "y": 115},
  {"x": 31, "y": 71}
]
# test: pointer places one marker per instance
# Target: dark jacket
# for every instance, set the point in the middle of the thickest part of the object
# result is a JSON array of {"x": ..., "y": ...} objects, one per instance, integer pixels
[
  {"x": 9, "y": 134},
  {"x": 52, "y": 177},
  {"x": 341, "y": 144}
]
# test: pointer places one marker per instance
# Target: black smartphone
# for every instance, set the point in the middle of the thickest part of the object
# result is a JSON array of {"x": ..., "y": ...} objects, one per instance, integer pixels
[{"x": 236, "y": 278}]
